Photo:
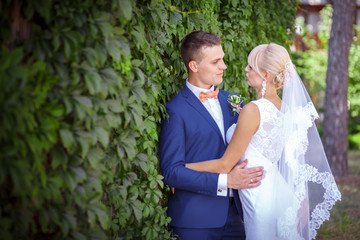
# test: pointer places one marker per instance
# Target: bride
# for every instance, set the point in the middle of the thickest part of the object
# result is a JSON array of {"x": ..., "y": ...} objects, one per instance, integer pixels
[{"x": 298, "y": 189}]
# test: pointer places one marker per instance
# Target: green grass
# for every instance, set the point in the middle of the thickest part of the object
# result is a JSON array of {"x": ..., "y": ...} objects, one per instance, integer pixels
[{"x": 344, "y": 220}]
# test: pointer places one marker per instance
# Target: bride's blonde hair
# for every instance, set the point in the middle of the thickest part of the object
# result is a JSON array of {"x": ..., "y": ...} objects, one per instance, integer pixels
[{"x": 270, "y": 58}]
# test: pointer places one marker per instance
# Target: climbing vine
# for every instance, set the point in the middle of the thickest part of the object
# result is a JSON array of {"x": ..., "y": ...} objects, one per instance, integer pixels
[{"x": 82, "y": 89}]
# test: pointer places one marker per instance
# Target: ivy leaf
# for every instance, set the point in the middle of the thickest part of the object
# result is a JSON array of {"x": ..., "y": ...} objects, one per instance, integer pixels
[
  {"x": 68, "y": 48},
  {"x": 114, "y": 47},
  {"x": 146, "y": 211},
  {"x": 115, "y": 106},
  {"x": 44, "y": 219},
  {"x": 70, "y": 181},
  {"x": 48, "y": 123},
  {"x": 71, "y": 220},
  {"x": 140, "y": 75},
  {"x": 101, "y": 53},
  {"x": 141, "y": 160},
  {"x": 138, "y": 121},
  {"x": 75, "y": 38},
  {"x": 138, "y": 108},
  {"x": 91, "y": 56},
  {"x": 106, "y": 28},
  {"x": 67, "y": 139},
  {"x": 129, "y": 144},
  {"x": 59, "y": 157},
  {"x": 78, "y": 235},
  {"x": 78, "y": 173},
  {"x": 133, "y": 192},
  {"x": 80, "y": 195},
  {"x": 95, "y": 184},
  {"x": 125, "y": 9},
  {"x": 123, "y": 192},
  {"x": 102, "y": 215},
  {"x": 64, "y": 227},
  {"x": 152, "y": 184},
  {"x": 159, "y": 179},
  {"x": 137, "y": 62},
  {"x": 103, "y": 136},
  {"x": 85, "y": 104},
  {"x": 86, "y": 140},
  {"x": 91, "y": 217},
  {"x": 120, "y": 152},
  {"x": 110, "y": 74},
  {"x": 57, "y": 110},
  {"x": 94, "y": 156},
  {"x": 113, "y": 120},
  {"x": 140, "y": 94},
  {"x": 151, "y": 127},
  {"x": 136, "y": 206},
  {"x": 138, "y": 34},
  {"x": 125, "y": 48},
  {"x": 93, "y": 81},
  {"x": 149, "y": 145},
  {"x": 175, "y": 18}
]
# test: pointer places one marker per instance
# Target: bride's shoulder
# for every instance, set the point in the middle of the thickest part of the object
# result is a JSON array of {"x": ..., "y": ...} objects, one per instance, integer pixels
[
  {"x": 252, "y": 105},
  {"x": 250, "y": 109},
  {"x": 250, "y": 117}
]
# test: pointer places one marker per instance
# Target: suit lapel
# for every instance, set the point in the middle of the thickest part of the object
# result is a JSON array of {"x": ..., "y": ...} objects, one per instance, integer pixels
[
  {"x": 224, "y": 108},
  {"x": 193, "y": 101}
]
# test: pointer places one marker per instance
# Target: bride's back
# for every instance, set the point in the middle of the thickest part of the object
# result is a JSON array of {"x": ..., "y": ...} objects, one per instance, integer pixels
[{"x": 268, "y": 139}]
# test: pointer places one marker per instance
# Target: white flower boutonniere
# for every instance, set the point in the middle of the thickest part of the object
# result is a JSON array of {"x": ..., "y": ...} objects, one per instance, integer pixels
[{"x": 235, "y": 102}]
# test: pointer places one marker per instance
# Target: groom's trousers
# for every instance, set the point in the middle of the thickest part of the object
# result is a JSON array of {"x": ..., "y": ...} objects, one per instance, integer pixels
[{"x": 232, "y": 230}]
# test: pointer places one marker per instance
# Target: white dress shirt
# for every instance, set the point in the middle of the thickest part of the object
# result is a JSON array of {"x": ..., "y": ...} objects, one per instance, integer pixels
[{"x": 214, "y": 108}]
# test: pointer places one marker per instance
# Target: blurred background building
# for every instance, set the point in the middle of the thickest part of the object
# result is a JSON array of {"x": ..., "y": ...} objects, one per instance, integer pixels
[{"x": 308, "y": 12}]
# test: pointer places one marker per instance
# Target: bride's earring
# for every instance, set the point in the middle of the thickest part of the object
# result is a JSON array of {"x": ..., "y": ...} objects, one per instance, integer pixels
[{"x": 263, "y": 89}]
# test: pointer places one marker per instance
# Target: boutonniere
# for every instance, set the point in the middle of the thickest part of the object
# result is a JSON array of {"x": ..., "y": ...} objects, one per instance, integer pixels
[{"x": 235, "y": 102}]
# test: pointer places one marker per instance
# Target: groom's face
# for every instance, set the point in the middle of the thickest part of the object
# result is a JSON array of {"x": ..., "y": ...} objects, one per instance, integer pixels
[{"x": 211, "y": 66}]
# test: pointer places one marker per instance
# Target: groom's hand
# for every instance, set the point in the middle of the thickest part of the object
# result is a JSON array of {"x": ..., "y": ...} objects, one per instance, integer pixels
[{"x": 240, "y": 178}]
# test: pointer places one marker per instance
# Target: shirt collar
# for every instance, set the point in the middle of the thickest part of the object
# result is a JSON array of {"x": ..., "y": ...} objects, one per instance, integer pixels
[{"x": 197, "y": 90}]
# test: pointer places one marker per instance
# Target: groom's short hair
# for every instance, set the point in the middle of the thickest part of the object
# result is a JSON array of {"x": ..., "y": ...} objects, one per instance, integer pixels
[{"x": 193, "y": 42}]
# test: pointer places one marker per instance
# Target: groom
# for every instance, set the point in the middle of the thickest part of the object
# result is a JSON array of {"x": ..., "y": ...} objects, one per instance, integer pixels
[{"x": 203, "y": 206}]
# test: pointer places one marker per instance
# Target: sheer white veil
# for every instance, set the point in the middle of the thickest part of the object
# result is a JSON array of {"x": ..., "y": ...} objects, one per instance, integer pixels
[{"x": 303, "y": 164}]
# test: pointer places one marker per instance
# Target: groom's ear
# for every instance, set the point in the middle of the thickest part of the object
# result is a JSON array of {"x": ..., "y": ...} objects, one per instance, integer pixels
[{"x": 193, "y": 66}]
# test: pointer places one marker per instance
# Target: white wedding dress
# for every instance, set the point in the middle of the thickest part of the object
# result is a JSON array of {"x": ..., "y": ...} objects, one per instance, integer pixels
[
  {"x": 298, "y": 189},
  {"x": 261, "y": 204}
]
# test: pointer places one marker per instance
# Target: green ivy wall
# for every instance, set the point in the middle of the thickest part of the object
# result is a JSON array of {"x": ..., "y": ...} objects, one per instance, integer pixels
[{"x": 81, "y": 100}]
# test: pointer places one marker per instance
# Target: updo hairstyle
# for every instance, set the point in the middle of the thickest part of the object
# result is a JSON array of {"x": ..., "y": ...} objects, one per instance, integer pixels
[{"x": 270, "y": 58}]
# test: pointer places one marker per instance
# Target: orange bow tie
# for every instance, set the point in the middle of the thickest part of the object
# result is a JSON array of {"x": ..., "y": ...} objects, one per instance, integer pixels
[{"x": 213, "y": 94}]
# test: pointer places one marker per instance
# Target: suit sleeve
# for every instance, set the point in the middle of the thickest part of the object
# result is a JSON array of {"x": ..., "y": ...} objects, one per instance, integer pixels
[{"x": 172, "y": 147}]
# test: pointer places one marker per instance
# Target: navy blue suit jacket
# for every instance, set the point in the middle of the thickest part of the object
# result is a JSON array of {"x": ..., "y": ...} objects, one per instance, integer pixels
[{"x": 189, "y": 135}]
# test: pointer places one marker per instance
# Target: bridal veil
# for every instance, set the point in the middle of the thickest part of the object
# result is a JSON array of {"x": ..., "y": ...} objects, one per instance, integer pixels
[{"x": 303, "y": 165}]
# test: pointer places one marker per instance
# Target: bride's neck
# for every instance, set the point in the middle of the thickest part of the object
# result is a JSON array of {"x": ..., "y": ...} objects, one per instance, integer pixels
[{"x": 269, "y": 94}]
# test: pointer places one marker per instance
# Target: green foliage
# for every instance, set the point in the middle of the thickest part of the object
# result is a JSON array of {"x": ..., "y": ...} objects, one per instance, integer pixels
[
  {"x": 246, "y": 24},
  {"x": 312, "y": 63},
  {"x": 55, "y": 134},
  {"x": 354, "y": 93},
  {"x": 81, "y": 101},
  {"x": 312, "y": 66}
]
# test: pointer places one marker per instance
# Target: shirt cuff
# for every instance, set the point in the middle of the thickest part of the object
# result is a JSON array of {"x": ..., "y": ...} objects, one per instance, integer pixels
[{"x": 222, "y": 185}]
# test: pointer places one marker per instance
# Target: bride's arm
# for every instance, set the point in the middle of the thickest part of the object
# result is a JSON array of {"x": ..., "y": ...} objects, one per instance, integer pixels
[{"x": 247, "y": 125}]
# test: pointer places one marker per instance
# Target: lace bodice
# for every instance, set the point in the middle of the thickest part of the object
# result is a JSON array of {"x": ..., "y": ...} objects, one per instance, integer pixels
[{"x": 268, "y": 139}]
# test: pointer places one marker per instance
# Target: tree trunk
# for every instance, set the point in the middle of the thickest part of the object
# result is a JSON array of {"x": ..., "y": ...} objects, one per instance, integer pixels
[{"x": 336, "y": 108}]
